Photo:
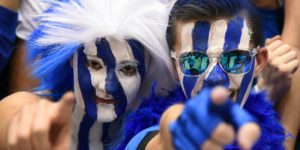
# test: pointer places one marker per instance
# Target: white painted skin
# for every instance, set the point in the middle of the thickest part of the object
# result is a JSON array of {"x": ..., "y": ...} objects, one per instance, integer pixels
[
  {"x": 215, "y": 48},
  {"x": 130, "y": 84},
  {"x": 105, "y": 112}
]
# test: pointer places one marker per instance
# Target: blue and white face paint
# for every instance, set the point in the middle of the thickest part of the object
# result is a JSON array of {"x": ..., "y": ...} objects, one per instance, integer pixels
[
  {"x": 108, "y": 74},
  {"x": 213, "y": 38}
]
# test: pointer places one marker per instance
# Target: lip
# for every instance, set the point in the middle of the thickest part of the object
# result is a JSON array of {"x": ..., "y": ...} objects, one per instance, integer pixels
[{"x": 105, "y": 101}]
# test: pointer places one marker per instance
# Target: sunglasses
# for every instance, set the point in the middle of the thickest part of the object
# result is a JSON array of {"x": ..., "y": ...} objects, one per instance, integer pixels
[{"x": 234, "y": 61}]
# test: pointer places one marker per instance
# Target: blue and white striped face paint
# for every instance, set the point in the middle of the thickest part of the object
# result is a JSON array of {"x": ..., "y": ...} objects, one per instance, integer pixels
[
  {"x": 108, "y": 74},
  {"x": 213, "y": 38}
]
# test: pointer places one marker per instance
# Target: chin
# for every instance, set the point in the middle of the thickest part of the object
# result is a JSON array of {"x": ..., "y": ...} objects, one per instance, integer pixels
[{"x": 106, "y": 113}]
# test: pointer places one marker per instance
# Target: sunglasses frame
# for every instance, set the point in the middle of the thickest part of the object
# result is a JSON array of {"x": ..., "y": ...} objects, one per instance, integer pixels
[{"x": 252, "y": 52}]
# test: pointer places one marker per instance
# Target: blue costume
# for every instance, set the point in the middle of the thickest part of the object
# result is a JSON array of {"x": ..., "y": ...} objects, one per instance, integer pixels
[
  {"x": 8, "y": 24},
  {"x": 146, "y": 119}
]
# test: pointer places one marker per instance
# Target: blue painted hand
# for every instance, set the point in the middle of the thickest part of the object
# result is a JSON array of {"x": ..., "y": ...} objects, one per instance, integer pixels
[{"x": 210, "y": 120}]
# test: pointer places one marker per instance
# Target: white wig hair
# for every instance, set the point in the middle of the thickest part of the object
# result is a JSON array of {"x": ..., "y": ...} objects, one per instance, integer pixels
[{"x": 84, "y": 21}]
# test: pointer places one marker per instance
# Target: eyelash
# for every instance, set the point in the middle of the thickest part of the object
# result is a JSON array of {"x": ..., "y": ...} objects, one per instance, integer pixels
[
  {"x": 94, "y": 64},
  {"x": 128, "y": 70}
]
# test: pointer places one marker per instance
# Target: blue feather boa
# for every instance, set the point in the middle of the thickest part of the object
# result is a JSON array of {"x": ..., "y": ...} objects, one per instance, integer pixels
[{"x": 151, "y": 109}]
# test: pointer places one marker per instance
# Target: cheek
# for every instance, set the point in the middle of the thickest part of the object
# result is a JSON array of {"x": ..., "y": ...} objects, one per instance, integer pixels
[
  {"x": 98, "y": 80},
  {"x": 130, "y": 85},
  {"x": 189, "y": 85}
]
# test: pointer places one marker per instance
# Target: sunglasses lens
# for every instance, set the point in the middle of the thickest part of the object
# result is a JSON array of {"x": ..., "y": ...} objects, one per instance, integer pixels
[
  {"x": 193, "y": 63},
  {"x": 236, "y": 62}
]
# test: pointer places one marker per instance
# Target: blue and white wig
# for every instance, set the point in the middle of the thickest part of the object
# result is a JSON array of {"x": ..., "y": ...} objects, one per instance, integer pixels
[{"x": 69, "y": 24}]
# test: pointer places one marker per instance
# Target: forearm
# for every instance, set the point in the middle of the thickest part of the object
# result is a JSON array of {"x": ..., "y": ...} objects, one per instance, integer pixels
[
  {"x": 163, "y": 139},
  {"x": 291, "y": 30},
  {"x": 289, "y": 106},
  {"x": 10, "y": 4},
  {"x": 9, "y": 106},
  {"x": 289, "y": 110}
]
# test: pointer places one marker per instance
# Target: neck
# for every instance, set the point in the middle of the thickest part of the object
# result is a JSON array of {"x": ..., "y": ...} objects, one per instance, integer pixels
[{"x": 86, "y": 133}]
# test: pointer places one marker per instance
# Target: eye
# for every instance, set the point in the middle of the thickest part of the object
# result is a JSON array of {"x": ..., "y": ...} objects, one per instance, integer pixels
[
  {"x": 129, "y": 70},
  {"x": 94, "y": 64}
]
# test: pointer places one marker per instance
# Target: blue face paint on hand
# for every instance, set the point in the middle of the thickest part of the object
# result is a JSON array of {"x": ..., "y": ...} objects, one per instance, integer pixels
[{"x": 201, "y": 117}]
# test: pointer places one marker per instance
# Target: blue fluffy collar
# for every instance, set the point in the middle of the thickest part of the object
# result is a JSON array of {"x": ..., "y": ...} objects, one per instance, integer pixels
[{"x": 151, "y": 109}]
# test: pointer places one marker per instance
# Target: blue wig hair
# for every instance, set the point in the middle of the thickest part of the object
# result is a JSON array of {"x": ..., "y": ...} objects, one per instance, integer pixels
[
  {"x": 69, "y": 24},
  {"x": 209, "y": 10},
  {"x": 51, "y": 62}
]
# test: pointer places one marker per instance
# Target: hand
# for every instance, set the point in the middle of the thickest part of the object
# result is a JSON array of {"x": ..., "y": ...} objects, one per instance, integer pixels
[
  {"x": 44, "y": 125},
  {"x": 209, "y": 121},
  {"x": 282, "y": 63}
]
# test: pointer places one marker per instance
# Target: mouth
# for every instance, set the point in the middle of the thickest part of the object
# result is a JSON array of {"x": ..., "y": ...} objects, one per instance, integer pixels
[
  {"x": 232, "y": 94},
  {"x": 105, "y": 101}
]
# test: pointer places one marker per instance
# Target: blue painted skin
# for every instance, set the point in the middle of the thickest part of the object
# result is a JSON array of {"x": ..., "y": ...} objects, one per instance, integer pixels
[
  {"x": 200, "y": 117},
  {"x": 196, "y": 124},
  {"x": 112, "y": 85}
]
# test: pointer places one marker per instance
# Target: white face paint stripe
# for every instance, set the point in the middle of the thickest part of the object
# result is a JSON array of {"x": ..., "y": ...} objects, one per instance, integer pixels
[
  {"x": 216, "y": 42},
  {"x": 90, "y": 48},
  {"x": 77, "y": 91},
  {"x": 186, "y": 37},
  {"x": 245, "y": 37},
  {"x": 217, "y": 37}
]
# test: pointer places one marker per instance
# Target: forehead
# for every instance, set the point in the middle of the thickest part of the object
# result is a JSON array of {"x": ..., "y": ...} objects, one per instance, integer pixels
[
  {"x": 110, "y": 47},
  {"x": 222, "y": 34}
]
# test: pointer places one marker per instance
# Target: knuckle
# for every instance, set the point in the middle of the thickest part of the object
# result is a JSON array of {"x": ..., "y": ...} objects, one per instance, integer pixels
[
  {"x": 38, "y": 130},
  {"x": 24, "y": 136}
]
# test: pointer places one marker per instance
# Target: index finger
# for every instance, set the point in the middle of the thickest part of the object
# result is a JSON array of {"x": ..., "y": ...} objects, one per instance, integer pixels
[{"x": 63, "y": 108}]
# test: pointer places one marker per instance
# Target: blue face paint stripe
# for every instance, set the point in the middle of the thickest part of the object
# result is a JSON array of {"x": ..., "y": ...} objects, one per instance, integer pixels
[
  {"x": 88, "y": 94},
  {"x": 233, "y": 33},
  {"x": 244, "y": 85},
  {"x": 200, "y": 35},
  {"x": 138, "y": 51},
  {"x": 216, "y": 77},
  {"x": 112, "y": 85},
  {"x": 189, "y": 84}
]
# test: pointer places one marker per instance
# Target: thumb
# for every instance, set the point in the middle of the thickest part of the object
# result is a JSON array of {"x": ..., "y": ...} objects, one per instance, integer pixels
[
  {"x": 64, "y": 108},
  {"x": 270, "y": 40}
]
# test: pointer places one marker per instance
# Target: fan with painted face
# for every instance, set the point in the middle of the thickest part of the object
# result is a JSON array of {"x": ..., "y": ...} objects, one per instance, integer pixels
[
  {"x": 115, "y": 47},
  {"x": 108, "y": 74},
  {"x": 215, "y": 53}
]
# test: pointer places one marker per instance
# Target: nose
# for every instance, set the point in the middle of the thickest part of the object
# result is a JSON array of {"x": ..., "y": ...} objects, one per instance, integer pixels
[
  {"x": 111, "y": 82},
  {"x": 216, "y": 77}
]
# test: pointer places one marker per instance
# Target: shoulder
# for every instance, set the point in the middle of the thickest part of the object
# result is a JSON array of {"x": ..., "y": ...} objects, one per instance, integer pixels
[{"x": 273, "y": 133}]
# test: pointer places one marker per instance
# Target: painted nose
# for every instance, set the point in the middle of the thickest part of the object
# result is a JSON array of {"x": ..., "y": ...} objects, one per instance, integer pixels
[
  {"x": 216, "y": 77},
  {"x": 111, "y": 85}
]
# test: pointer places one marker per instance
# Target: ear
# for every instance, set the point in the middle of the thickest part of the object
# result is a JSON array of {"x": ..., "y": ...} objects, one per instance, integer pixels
[{"x": 261, "y": 60}]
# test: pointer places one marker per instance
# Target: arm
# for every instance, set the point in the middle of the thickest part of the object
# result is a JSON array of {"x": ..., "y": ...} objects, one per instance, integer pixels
[
  {"x": 10, "y": 4},
  {"x": 289, "y": 106},
  {"x": 28, "y": 122},
  {"x": 187, "y": 126}
]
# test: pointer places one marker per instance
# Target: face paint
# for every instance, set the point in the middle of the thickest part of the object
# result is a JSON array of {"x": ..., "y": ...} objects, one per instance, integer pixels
[
  {"x": 213, "y": 38},
  {"x": 109, "y": 76}
]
